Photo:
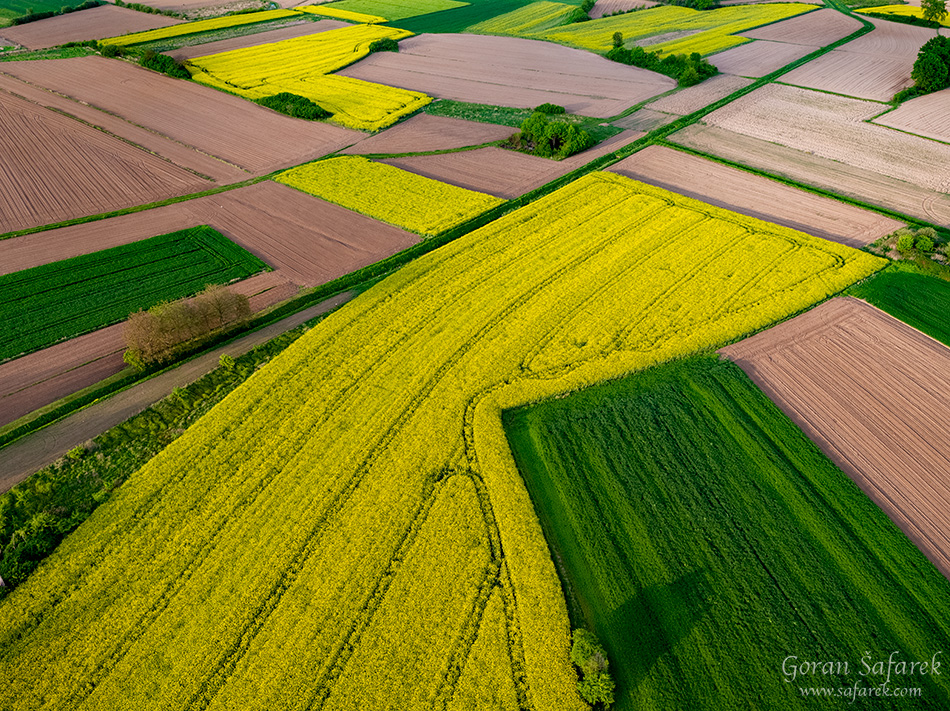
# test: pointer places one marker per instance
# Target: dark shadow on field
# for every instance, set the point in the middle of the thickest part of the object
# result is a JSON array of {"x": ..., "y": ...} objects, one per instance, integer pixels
[{"x": 650, "y": 625}]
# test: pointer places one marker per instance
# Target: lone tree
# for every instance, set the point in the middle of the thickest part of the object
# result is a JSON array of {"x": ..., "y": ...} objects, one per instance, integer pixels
[{"x": 934, "y": 10}]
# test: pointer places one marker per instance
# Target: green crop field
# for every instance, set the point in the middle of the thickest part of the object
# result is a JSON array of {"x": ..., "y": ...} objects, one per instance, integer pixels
[
  {"x": 398, "y": 9},
  {"x": 919, "y": 300},
  {"x": 706, "y": 540},
  {"x": 16, "y": 8},
  {"x": 56, "y": 301},
  {"x": 460, "y": 19}
]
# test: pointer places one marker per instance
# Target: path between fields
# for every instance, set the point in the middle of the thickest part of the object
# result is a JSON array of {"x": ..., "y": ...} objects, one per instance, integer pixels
[{"x": 25, "y": 456}]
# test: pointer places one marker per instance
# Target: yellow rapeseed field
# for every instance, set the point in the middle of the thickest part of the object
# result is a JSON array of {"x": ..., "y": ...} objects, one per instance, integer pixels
[
  {"x": 903, "y": 10},
  {"x": 347, "y": 530},
  {"x": 190, "y": 28},
  {"x": 302, "y": 65}
]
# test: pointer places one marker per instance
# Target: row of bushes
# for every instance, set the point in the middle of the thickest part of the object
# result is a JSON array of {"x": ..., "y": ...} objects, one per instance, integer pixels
[
  {"x": 34, "y": 16},
  {"x": 139, "y": 7},
  {"x": 543, "y": 137},
  {"x": 687, "y": 70},
  {"x": 294, "y": 105}
]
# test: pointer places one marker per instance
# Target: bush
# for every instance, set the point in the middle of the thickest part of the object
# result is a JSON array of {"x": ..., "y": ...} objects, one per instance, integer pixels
[
  {"x": 687, "y": 70},
  {"x": 387, "y": 44},
  {"x": 550, "y": 109},
  {"x": 164, "y": 64},
  {"x": 588, "y": 5},
  {"x": 924, "y": 244},
  {"x": 110, "y": 50},
  {"x": 905, "y": 242},
  {"x": 577, "y": 15},
  {"x": 550, "y": 139},
  {"x": 294, "y": 105},
  {"x": 618, "y": 39},
  {"x": 905, "y": 95},
  {"x": 596, "y": 684}
]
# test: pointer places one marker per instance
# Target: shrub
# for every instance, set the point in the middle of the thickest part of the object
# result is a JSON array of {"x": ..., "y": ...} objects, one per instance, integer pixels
[
  {"x": 294, "y": 105},
  {"x": 924, "y": 243},
  {"x": 110, "y": 50},
  {"x": 905, "y": 242},
  {"x": 596, "y": 684},
  {"x": 227, "y": 362},
  {"x": 577, "y": 15},
  {"x": 687, "y": 70},
  {"x": 618, "y": 39},
  {"x": 588, "y": 5},
  {"x": 550, "y": 109},
  {"x": 164, "y": 64},
  {"x": 387, "y": 44},
  {"x": 551, "y": 139}
]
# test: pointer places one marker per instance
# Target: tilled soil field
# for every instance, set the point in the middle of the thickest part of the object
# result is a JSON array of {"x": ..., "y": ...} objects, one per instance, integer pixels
[
  {"x": 509, "y": 71},
  {"x": 94, "y": 23},
  {"x": 819, "y": 172},
  {"x": 926, "y": 116},
  {"x": 224, "y": 126},
  {"x": 686, "y": 101},
  {"x": 431, "y": 133},
  {"x": 304, "y": 27},
  {"x": 816, "y": 28},
  {"x": 835, "y": 127},
  {"x": 871, "y": 392},
  {"x": 755, "y": 196},
  {"x": 756, "y": 59},
  {"x": 55, "y": 169},
  {"x": 609, "y": 7}
]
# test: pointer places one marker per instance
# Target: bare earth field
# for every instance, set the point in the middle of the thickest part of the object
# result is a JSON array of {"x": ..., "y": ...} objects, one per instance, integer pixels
[
  {"x": 756, "y": 59},
  {"x": 692, "y": 98},
  {"x": 819, "y": 172},
  {"x": 925, "y": 116},
  {"x": 181, "y": 155},
  {"x": 509, "y": 71},
  {"x": 871, "y": 392},
  {"x": 608, "y": 7},
  {"x": 304, "y": 27},
  {"x": 502, "y": 173},
  {"x": 835, "y": 127},
  {"x": 224, "y": 126},
  {"x": 308, "y": 240},
  {"x": 55, "y": 168},
  {"x": 94, "y": 23},
  {"x": 816, "y": 28},
  {"x": 645, "y": 119},
  {"x": 875, "y": 66},
  {"x": 755, "y": 196},
  {"x": 431, "y": 133},
  {"x": 43, "y": 377}
]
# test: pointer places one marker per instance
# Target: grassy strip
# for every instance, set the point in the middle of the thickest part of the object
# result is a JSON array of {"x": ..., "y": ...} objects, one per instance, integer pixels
[
  {"x": 916, "y": 298},
  {"x": 172, "y": 43},
  {"x": 51, "y": 53},
  {"x": 705, "y": 539},
  {"x": 506, "y": 116},
  {"x": 61, "y": 300}
]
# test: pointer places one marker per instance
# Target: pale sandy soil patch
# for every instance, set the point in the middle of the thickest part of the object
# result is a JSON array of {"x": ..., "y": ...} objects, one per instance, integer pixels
[
  {"x": 431, "y": 133},
  {"x": 55, "y": 168},
  {"x": 693, "y": 98},
  {"x": 304, "y": 27},
  {"x": 819, "y": 172},
  {"x": 646, "y": 119},
  {"x": 38, "y": 379},
  {"x": 875, "y": 66},
  {"x": 756, "y": 59},
  {"x": 608, "y": 7},
  {"x": 835, "y": 127},
  {"x": 871, "y": 392},
  {"x": 926, "y": 116},
  {"x": 308, "y": 240},
  {"x": 219, "y": 124},
  {"x": 755, "y": 196},
  {"x": 509, "y": 71},
  {"x": 92, "y": 24},
  {"x": 503, "y": 173},
  {"x": 816, "y": 28}
]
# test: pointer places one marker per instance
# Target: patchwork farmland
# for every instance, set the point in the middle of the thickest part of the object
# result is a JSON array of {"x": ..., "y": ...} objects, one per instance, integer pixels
[{"x": 388, "y": 355}]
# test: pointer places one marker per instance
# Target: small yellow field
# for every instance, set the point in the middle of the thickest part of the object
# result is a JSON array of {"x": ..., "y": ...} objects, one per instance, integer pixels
[{"x": 902, "y": 10}]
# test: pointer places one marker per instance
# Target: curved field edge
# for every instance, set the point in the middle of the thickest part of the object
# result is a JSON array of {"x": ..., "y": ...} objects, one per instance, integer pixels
[
  {"x": 573, "y": 250},
  {"x": 684, "y": 484}
]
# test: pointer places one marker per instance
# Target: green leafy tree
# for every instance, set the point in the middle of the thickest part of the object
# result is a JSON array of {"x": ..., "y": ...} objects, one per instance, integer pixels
[
  {"x": 934, "y": 10},
  {"x": 618, "y": 39},
  {"x": 596, "y": 685}
]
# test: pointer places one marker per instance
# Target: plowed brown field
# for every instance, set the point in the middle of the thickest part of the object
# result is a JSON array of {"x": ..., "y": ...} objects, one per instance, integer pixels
[
  {"x": 819, "y": 172},
  {"x": 755, "y": 196},
  {"x": 95, "y": 23},
  {"x": 926, "y": 116},
  {"x": 308, "y": 240},
  {"x": 54, "y": 168},
  {"x": 305, "y": 27},
  {"x": 608, "y": 7},
  {"x": 431, "y": 133},
  {"x": 816, "y": 28},
  {"x": 871, "y": 392},
  {"x": 686, "y": 101},
  {"x": 224, "y": 126},
  {"x": 503, "y": 173},
  {"x": 509, "y": 71},
  {"x": 756, "y": 59}
]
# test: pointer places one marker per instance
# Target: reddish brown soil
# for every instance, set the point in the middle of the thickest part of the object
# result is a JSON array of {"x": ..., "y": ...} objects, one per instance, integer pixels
[
  {"x": 181, "y": 155},
  {"x": 509, "y": 71},
  {"x": 755, "y": 196},
  {"x": 95, "y": 23},
  {"x": 224, "y": 126},
  {"x": 927, "y": 116},
  {"x": 871, "y": 392},
  {"x": 305, "y": 27},
  {"x": 431, "y": 133},
  {"x": 608, "y": 7},
  {"x": 756, "y": 59},
  {"x": 816, "y": 28},
  {"x": 310, "y": 241},
  {"x": 686, "y": 101},
  {"x": 503, "y": 173},
  {"x": 55, "y": 168}
]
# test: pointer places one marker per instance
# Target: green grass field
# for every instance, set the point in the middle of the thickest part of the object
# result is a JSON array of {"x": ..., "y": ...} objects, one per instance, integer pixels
[
  {"x": 705, "y": 540},
  {"x": 920, "y": 300},
  {"x": 16, "y": 8},
  {"x": 460, "y": 19},
  {"x": 56, "y": 301},
  {"x": 397, "y": 9}
]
